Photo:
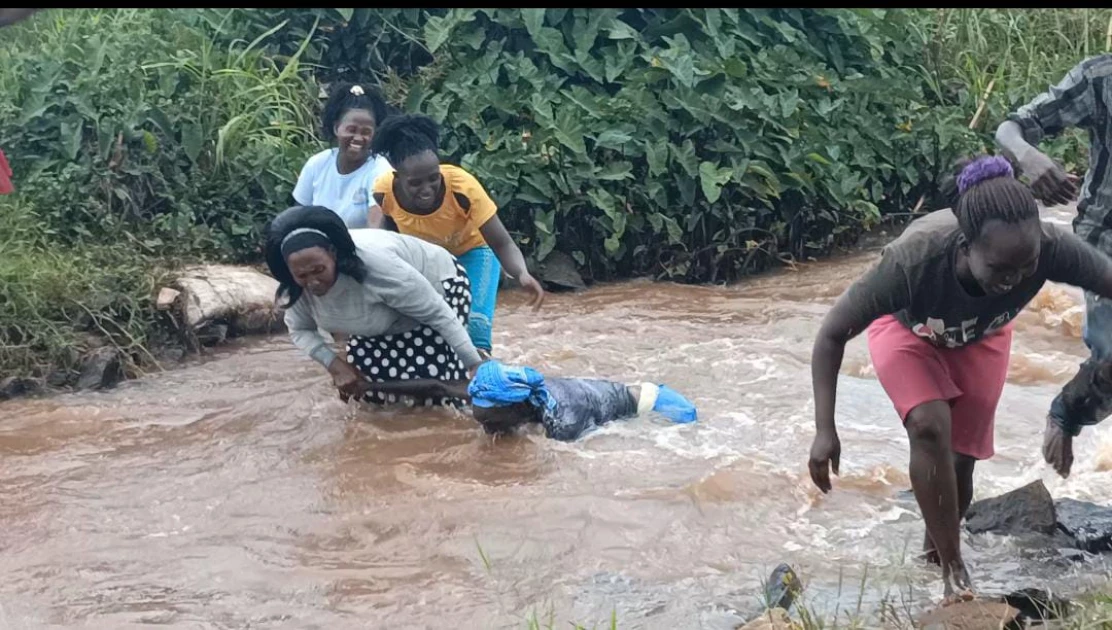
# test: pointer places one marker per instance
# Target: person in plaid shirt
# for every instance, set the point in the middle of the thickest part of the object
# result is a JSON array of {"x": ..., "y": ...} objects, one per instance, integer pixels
[{"x": 1080, "y": 100}]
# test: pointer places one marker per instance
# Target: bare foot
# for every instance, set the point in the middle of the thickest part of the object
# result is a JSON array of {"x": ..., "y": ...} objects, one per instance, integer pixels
[{"x": 956, "y": 584}]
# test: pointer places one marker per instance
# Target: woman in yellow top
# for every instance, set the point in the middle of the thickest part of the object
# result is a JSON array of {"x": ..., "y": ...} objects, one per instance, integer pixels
[{"x": 446, "y": 205}]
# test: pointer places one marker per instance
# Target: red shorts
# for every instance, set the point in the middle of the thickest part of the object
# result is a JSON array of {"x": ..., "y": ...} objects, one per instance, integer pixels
[
  {"x": 5, "y": 176},
  {"x": 971, "y": 378}
]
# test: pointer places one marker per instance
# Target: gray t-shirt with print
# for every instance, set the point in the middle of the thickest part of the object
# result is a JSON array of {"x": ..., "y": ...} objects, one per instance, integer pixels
[{"x": 916, "y": 281}]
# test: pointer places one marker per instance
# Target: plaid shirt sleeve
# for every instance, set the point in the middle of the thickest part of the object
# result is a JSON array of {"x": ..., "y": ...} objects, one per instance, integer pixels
[{"x": 1071, "y": 103}]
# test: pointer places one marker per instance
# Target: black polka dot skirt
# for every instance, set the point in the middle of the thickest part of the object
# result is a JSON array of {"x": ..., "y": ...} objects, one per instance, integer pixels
[{"x": 421, "y": 353}]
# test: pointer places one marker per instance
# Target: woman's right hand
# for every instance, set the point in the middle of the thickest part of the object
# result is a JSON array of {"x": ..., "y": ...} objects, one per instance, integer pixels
[
  {"x": 826, "y": 451},
  {"x": 347, "y": 379}
]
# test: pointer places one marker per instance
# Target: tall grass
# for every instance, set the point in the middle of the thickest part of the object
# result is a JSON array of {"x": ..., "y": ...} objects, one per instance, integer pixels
[
  {"x": 55, "y": 300},
  {"x": 1011, "y": 55}
]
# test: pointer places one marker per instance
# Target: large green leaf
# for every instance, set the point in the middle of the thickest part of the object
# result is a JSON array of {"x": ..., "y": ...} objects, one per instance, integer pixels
[{"x": 712, "y": 178}]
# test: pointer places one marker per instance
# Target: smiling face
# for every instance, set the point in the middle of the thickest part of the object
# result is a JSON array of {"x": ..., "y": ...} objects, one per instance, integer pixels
[
  {"x": 418, "y": 183},
  {"x": 1004, "y": 254},
  {"x": 353, "y": 134},
  {"x": 313, "y": 269}
]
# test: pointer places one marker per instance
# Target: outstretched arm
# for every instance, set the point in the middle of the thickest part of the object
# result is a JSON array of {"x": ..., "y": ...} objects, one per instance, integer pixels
[
  {"x": 1073, "y": 102},
  {"x": 882, "y": 290},
  {"x": 511, "y": 258}
]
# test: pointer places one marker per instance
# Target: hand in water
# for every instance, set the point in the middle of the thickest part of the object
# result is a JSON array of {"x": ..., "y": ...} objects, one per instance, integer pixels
[
  {"x": 1057, "y": 448},
  {"x": 530, "y": 284},
  {"x": 1049, "y": 181},
  {"x": 956, "y": 584},
  {"x": 826, "y": 451},
  {"x": 347, "y": 380}
]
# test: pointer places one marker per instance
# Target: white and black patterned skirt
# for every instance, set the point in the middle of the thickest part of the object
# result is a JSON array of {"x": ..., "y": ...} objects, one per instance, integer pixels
[{"x": 421, "y": 353}]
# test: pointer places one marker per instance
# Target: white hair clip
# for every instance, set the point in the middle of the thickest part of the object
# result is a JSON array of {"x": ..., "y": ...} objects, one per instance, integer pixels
[{"x": 357, "y": 90}]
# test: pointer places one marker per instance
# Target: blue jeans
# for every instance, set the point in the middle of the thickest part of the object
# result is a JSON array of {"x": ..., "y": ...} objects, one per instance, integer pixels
[
  {"x": 485, "y": 272},
  {"x": 1096, "y": 331}
]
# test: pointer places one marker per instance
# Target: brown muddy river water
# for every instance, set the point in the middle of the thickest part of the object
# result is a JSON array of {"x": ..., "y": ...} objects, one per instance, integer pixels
[{"x": 239, "y": 492}]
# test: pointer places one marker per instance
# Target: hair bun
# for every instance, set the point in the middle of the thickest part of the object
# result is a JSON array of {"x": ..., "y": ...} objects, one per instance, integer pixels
[{"x": 982, "y": 169}]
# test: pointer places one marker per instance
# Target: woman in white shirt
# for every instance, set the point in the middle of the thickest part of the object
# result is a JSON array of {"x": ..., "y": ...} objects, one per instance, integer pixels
[
  {"x": 341, "y": 178},
  {"x": 403, "y": 302}
]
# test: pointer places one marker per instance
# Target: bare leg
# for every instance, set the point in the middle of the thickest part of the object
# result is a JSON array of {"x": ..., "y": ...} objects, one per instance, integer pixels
[
  {"x": 963, "y": 472},
  {"x": 936, "y": 489}
]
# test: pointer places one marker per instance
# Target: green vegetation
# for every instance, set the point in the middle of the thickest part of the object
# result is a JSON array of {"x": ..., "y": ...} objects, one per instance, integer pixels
[{"x": 698, "y": 145}]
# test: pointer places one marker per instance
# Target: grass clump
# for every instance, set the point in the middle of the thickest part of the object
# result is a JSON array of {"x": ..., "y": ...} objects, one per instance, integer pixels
[{"x": 56, "y": 302}]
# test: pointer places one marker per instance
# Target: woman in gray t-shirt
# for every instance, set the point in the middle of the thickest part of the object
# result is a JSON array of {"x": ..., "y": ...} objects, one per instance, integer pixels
[
  {"x": 404, "y": 303},
  {"x": 938, "y": 308}
]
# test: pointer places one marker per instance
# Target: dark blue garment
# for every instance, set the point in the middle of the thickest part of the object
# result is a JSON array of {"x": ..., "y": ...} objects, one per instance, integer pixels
[{"x": 578, "y": 405}]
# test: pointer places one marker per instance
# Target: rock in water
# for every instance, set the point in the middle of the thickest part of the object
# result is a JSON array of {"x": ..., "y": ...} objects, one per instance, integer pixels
[
  {"x": 1090, "y": 525},
  {"x": 974, "y": 615},
  {"x": 1038, "y": 605},
  {"x": 101, "y": 369},
  {"x": 15, "y": 386},
  {"x": 559, "y": 270},
  {"x": 1028, "y": 509},
  {"x": 783, "y": 587}
]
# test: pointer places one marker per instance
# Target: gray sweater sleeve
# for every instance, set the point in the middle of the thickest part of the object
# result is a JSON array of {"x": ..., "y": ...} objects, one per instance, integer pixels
[
  {"x": 404, "y": 289},
  {"x": 305, "y": 334}
]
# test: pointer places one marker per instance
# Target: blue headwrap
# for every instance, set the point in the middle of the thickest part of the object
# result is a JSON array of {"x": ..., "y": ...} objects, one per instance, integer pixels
[{"x": 496, "y": 385}]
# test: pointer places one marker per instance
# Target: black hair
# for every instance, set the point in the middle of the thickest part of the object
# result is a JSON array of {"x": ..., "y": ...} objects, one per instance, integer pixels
[
  {"x": 995, "y": 195},
  {"x": 341, "y": 101},
  {"x": 317, "y": 218},
  {"x": 403, "y": 136},
  {"x": 505, "y": 420}
]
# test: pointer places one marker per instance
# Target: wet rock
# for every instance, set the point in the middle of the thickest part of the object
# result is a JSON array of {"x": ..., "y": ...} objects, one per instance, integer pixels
[
  {"x": 782, "y": 588},
  {"x": 1090, "y": 525},
  {"x": 170, "y": 354},
  {"x": 101, "y": 369},
  {"x": 16, "y": 386},
  {"x": 974, "y": 615},
  {"x": 772, "y": 619},
  {"x": 1038, "y": 605},
  {"x": 59, "y": 378},
  {"x": 1057, "y": 550},
  {"x": 166, "y": 298},
  {"x": 560, "y": 271},
  {"x": 212, "y": 334},
  {"x": 1027, "y": 509}
]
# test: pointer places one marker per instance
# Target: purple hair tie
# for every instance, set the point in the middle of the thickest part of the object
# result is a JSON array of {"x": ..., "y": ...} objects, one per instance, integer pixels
[{"x": 984, "y": 168}]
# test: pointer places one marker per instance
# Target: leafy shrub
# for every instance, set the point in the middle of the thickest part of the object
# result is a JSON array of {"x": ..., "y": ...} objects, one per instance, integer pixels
[
  {"x": 133, "y": 121},
  {"x": 696, "y": 144}
]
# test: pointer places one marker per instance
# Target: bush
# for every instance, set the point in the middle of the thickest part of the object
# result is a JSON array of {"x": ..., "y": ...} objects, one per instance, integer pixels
[
  {"x": 691, "y": 144},
  {"x": 133, "y": 120}
]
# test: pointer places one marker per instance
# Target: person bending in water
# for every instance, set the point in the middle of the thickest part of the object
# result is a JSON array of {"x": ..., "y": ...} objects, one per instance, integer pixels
[
  {"x": 938, "y": 308},
  {"x": 504, "y": 398},
  {"x": 404, "y": 302},
  {"x": 446, "y": 205},
  {"x": 341, "y": 178}
]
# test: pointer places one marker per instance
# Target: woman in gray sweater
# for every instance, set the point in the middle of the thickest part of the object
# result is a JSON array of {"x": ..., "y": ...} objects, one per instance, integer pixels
[{"x": 402, "y": 302}]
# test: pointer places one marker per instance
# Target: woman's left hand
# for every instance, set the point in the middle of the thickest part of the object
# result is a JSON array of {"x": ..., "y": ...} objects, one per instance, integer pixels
[{"x": 530, "y": 284}]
